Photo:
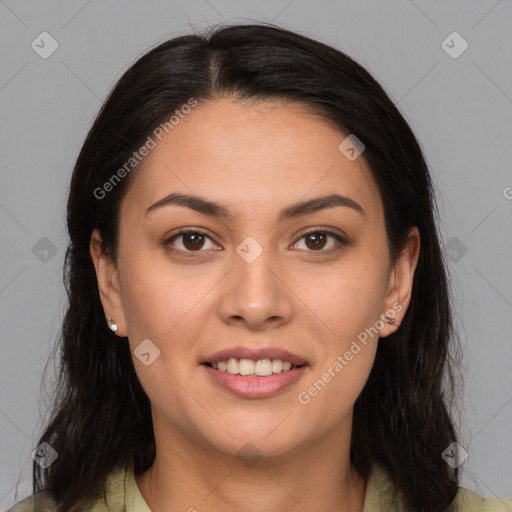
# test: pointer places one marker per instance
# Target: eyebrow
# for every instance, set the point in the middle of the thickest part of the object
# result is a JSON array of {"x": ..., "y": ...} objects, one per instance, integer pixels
[{"x": 211, "y": 208}]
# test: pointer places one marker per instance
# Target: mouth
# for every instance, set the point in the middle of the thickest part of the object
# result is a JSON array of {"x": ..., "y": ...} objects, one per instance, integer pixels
[
  {"x": 248, "y": 362},
  {"x": 251, "y": 373},
  {"x": 253, "y": 368}
]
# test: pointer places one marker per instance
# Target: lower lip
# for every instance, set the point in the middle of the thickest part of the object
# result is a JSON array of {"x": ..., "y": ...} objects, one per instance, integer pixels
[{"x": 254, "y": 386}]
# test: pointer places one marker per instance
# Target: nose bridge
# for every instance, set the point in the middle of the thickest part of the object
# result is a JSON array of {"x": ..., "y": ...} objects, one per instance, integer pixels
[
  {"x": 255, "y": 291},
  {"x": 256, "y": 277}
]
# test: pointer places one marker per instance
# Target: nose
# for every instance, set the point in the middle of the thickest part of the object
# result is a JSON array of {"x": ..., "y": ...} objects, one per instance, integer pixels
[{"x": 256, "y": 294}]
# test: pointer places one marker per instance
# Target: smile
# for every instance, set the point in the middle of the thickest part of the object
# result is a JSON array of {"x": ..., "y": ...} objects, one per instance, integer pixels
[
  {"x": 249, "y": 367},
  {"x": 252, "y": 385}
]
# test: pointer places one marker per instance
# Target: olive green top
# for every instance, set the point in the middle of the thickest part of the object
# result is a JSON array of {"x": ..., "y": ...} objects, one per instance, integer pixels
[{"x": 123, "y": 495}]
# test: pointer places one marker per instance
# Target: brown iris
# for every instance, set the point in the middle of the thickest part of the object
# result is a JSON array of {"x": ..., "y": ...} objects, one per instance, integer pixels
[
  {"x": 317, "y": 239},
  {"x": 193, "y": 241}
]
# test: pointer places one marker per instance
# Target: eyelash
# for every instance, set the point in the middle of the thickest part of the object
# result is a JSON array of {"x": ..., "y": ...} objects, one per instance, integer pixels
[{"x": 192, "y": 254}]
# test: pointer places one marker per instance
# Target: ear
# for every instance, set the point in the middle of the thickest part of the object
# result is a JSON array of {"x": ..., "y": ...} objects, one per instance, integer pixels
[
  {"x": 400, "y": 283},
  {"x": 108, "y": 284}
]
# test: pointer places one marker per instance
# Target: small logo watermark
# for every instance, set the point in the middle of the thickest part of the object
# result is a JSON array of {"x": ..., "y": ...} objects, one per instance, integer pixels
[
  {"x": 455, "y": 249},
  {"x": 249, "y": 454},
  {"x": 249, "y": 250},
  {"x": 44, "y": 250},
  {"x": 146, "y": 352},
  {"x": 44, "y": 45},
  {"x": 44, "y": 455},
  {"x": 351, "y": 147},
  {"x": 454, "y": 45},
  {"x": 454, "y": 455}
]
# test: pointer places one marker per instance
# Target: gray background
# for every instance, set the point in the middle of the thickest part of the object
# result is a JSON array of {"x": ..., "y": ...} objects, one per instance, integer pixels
[{"x": 460, "y": 109}]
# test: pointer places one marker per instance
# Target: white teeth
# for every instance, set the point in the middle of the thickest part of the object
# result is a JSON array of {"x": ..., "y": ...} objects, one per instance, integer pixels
[
  {"x": 232, "y": 366},
  {"x": 246, "y": 367},
  {"x": 277, "y": 365},
  {"x": 261, "y": 367}
]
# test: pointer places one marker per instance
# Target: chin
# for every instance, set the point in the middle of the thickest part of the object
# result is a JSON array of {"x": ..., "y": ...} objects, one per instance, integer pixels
[{"x": 252, "y": 444}]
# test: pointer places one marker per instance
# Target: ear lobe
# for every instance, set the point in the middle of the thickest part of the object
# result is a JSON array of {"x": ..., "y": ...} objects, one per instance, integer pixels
[
  {"x": 401, "y": 279},
  {"x": 109, "y": 287}
]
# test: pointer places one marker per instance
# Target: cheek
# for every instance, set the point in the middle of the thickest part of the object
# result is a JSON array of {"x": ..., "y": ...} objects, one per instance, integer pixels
[
  {"x": 161, "y": 305},
  {"x": 350, "y": 309},
  {"x": 334, "y": 388},
  {"x": 348, "y": 297},
  {"x": 348, "y": 305},
  {"x": 156, "y": 296}
]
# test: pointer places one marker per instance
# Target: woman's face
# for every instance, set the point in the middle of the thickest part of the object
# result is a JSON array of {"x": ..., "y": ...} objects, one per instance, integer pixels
[{"x": 250, "y": 277}]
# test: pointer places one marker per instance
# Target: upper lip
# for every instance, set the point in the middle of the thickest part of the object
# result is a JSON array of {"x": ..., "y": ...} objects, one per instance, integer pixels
[{"x": 255, "y": 354}]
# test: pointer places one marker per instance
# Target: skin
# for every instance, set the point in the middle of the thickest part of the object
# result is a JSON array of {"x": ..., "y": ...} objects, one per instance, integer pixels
[{"x": 255, "y": 159}]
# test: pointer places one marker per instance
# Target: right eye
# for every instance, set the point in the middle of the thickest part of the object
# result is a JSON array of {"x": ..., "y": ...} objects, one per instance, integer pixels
[{"x": 189, "y": 241}]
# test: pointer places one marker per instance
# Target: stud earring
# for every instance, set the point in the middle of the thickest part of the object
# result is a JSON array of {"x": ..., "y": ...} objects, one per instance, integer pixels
[
  {"x": 113, "y": 327},
  {"x": 390, "y": 319}
]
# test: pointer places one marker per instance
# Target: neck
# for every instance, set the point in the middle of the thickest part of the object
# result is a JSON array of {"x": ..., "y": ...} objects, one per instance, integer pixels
[{"x": 188, "y": 476}]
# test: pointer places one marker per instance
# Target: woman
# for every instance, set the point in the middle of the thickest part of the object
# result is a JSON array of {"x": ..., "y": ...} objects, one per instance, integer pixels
[{"x": 259, "y": 313}]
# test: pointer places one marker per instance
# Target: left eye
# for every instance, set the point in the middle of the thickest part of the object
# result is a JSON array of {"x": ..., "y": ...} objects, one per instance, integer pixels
[{"x": 316, "y": 240}]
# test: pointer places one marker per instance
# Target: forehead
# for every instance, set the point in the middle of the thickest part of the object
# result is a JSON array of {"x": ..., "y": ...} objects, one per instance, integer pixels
[{"x": 251, "y": 155}]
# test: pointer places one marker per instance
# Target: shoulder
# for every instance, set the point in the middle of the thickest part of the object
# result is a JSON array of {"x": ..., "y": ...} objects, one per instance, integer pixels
[
  {"x": 469, "y": 501},
  {"x": 112, "y": 500},
  {"x": 40, "y": 502},
  {"x": 381, "y": 494}
]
